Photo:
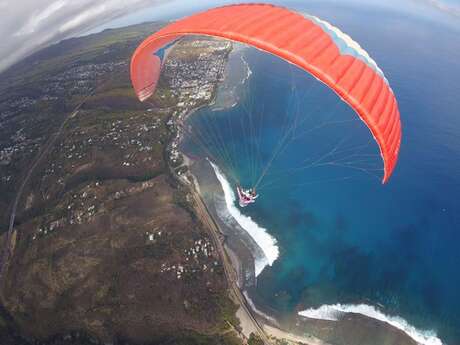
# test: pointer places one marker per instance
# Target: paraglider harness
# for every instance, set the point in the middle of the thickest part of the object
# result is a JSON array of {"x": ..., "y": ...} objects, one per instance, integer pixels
[{"x": 246, "y": 196}]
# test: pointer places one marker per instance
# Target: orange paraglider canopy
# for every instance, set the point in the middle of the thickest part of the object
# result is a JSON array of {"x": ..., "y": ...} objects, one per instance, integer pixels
[{"x": 308, "y": 42}]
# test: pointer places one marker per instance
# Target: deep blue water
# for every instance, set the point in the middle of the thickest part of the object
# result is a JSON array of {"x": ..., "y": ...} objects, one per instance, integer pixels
[{"x": 345, "y": 237}]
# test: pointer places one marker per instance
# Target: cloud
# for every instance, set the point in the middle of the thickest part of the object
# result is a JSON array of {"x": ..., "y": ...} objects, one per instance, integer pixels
[
  {"x": 448, "y": 7},
  {"x": 28, "y": 25},
  {"x": 83, "y": 17},
  {"x": 36, "y": 19}
]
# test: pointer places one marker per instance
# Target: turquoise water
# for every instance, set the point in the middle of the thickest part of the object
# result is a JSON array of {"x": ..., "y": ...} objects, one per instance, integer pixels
[{"x": 343, "y": 236}]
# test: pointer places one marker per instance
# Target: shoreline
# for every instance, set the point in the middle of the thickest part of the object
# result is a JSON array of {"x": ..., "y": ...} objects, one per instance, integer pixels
[
  {"x": 240, "y": 250},
  {"x": 247, "y": 319},
  {"x": 238, "y": 259},
  {"x": 294, "y": 328},
  {"x": 236, "y": 262}
]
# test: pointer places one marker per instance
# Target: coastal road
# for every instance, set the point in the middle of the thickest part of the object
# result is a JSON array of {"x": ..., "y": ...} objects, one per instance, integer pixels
[
  {"x": 43, "y": 153},
  {"x": 230, "y": 273}
]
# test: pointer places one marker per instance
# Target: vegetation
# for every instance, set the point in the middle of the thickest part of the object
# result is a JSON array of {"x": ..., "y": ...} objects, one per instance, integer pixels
[
  {"x": 108, "y": 243},
  {"x": 254, "y": 339}
]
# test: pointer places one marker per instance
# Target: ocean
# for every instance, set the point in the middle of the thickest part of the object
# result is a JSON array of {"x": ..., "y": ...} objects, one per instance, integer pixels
[{"x": 335, "y": 239}]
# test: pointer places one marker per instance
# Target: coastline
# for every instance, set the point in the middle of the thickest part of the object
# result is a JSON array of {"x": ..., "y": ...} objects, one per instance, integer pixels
[
  {"x": 238, "y": 260},
  {"x": 245, "y": 256},
  {"x": 238, "y": 250},
  {"x": 292, "y": 329}
]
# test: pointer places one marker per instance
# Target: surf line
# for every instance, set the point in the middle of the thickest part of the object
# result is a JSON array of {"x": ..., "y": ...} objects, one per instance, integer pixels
[
  {"x": 263, "y": 239},
  {"x": 334, "y": 312}
]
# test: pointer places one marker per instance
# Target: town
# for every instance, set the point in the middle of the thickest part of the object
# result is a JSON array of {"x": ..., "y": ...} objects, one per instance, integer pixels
[
  {"x": 99, "y": 202},
  {"x": 132, "y": 138}
]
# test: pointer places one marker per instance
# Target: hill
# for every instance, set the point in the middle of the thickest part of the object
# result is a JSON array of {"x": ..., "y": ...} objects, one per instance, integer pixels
[{"x": 105, "y": 247}]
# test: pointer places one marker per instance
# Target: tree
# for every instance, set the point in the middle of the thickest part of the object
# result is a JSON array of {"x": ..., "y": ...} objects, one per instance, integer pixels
[{"x": 254, "y": 339}]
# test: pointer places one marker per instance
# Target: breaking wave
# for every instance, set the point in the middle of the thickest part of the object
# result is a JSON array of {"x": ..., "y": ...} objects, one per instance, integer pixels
[
  {"x": 258, "y": 311},
  {"x": 333, "y": 312},
  {"x": 265, "y": 241},
  {"x": 248, "y": 70}
]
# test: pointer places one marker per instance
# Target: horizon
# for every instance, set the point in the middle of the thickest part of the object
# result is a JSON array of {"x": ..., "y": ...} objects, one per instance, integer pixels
[{"x": 37, "y": 31}]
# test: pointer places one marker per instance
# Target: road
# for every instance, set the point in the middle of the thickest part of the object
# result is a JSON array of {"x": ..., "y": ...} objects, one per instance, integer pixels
[
  {"x": 230, "y": 273},
  {"x": 43, "y": 153},
  {"x": 201, "y": 209}
]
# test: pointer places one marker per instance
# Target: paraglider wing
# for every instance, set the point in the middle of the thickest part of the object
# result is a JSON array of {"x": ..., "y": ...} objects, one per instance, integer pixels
[
  {"x": 305, "y": 41},
  {"x": 146, "y": 67}
]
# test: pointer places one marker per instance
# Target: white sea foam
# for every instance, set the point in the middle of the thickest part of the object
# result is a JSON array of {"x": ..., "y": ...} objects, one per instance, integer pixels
[
  {"x": 254, "y": 308},
  {"x": 335, "y": 311},
  {"x": 248, "y": 70},
  {"x": 264, "y": 240}
]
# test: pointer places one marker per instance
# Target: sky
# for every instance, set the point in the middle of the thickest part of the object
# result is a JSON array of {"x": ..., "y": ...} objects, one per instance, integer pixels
[{"x": 28, "y": 25}]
